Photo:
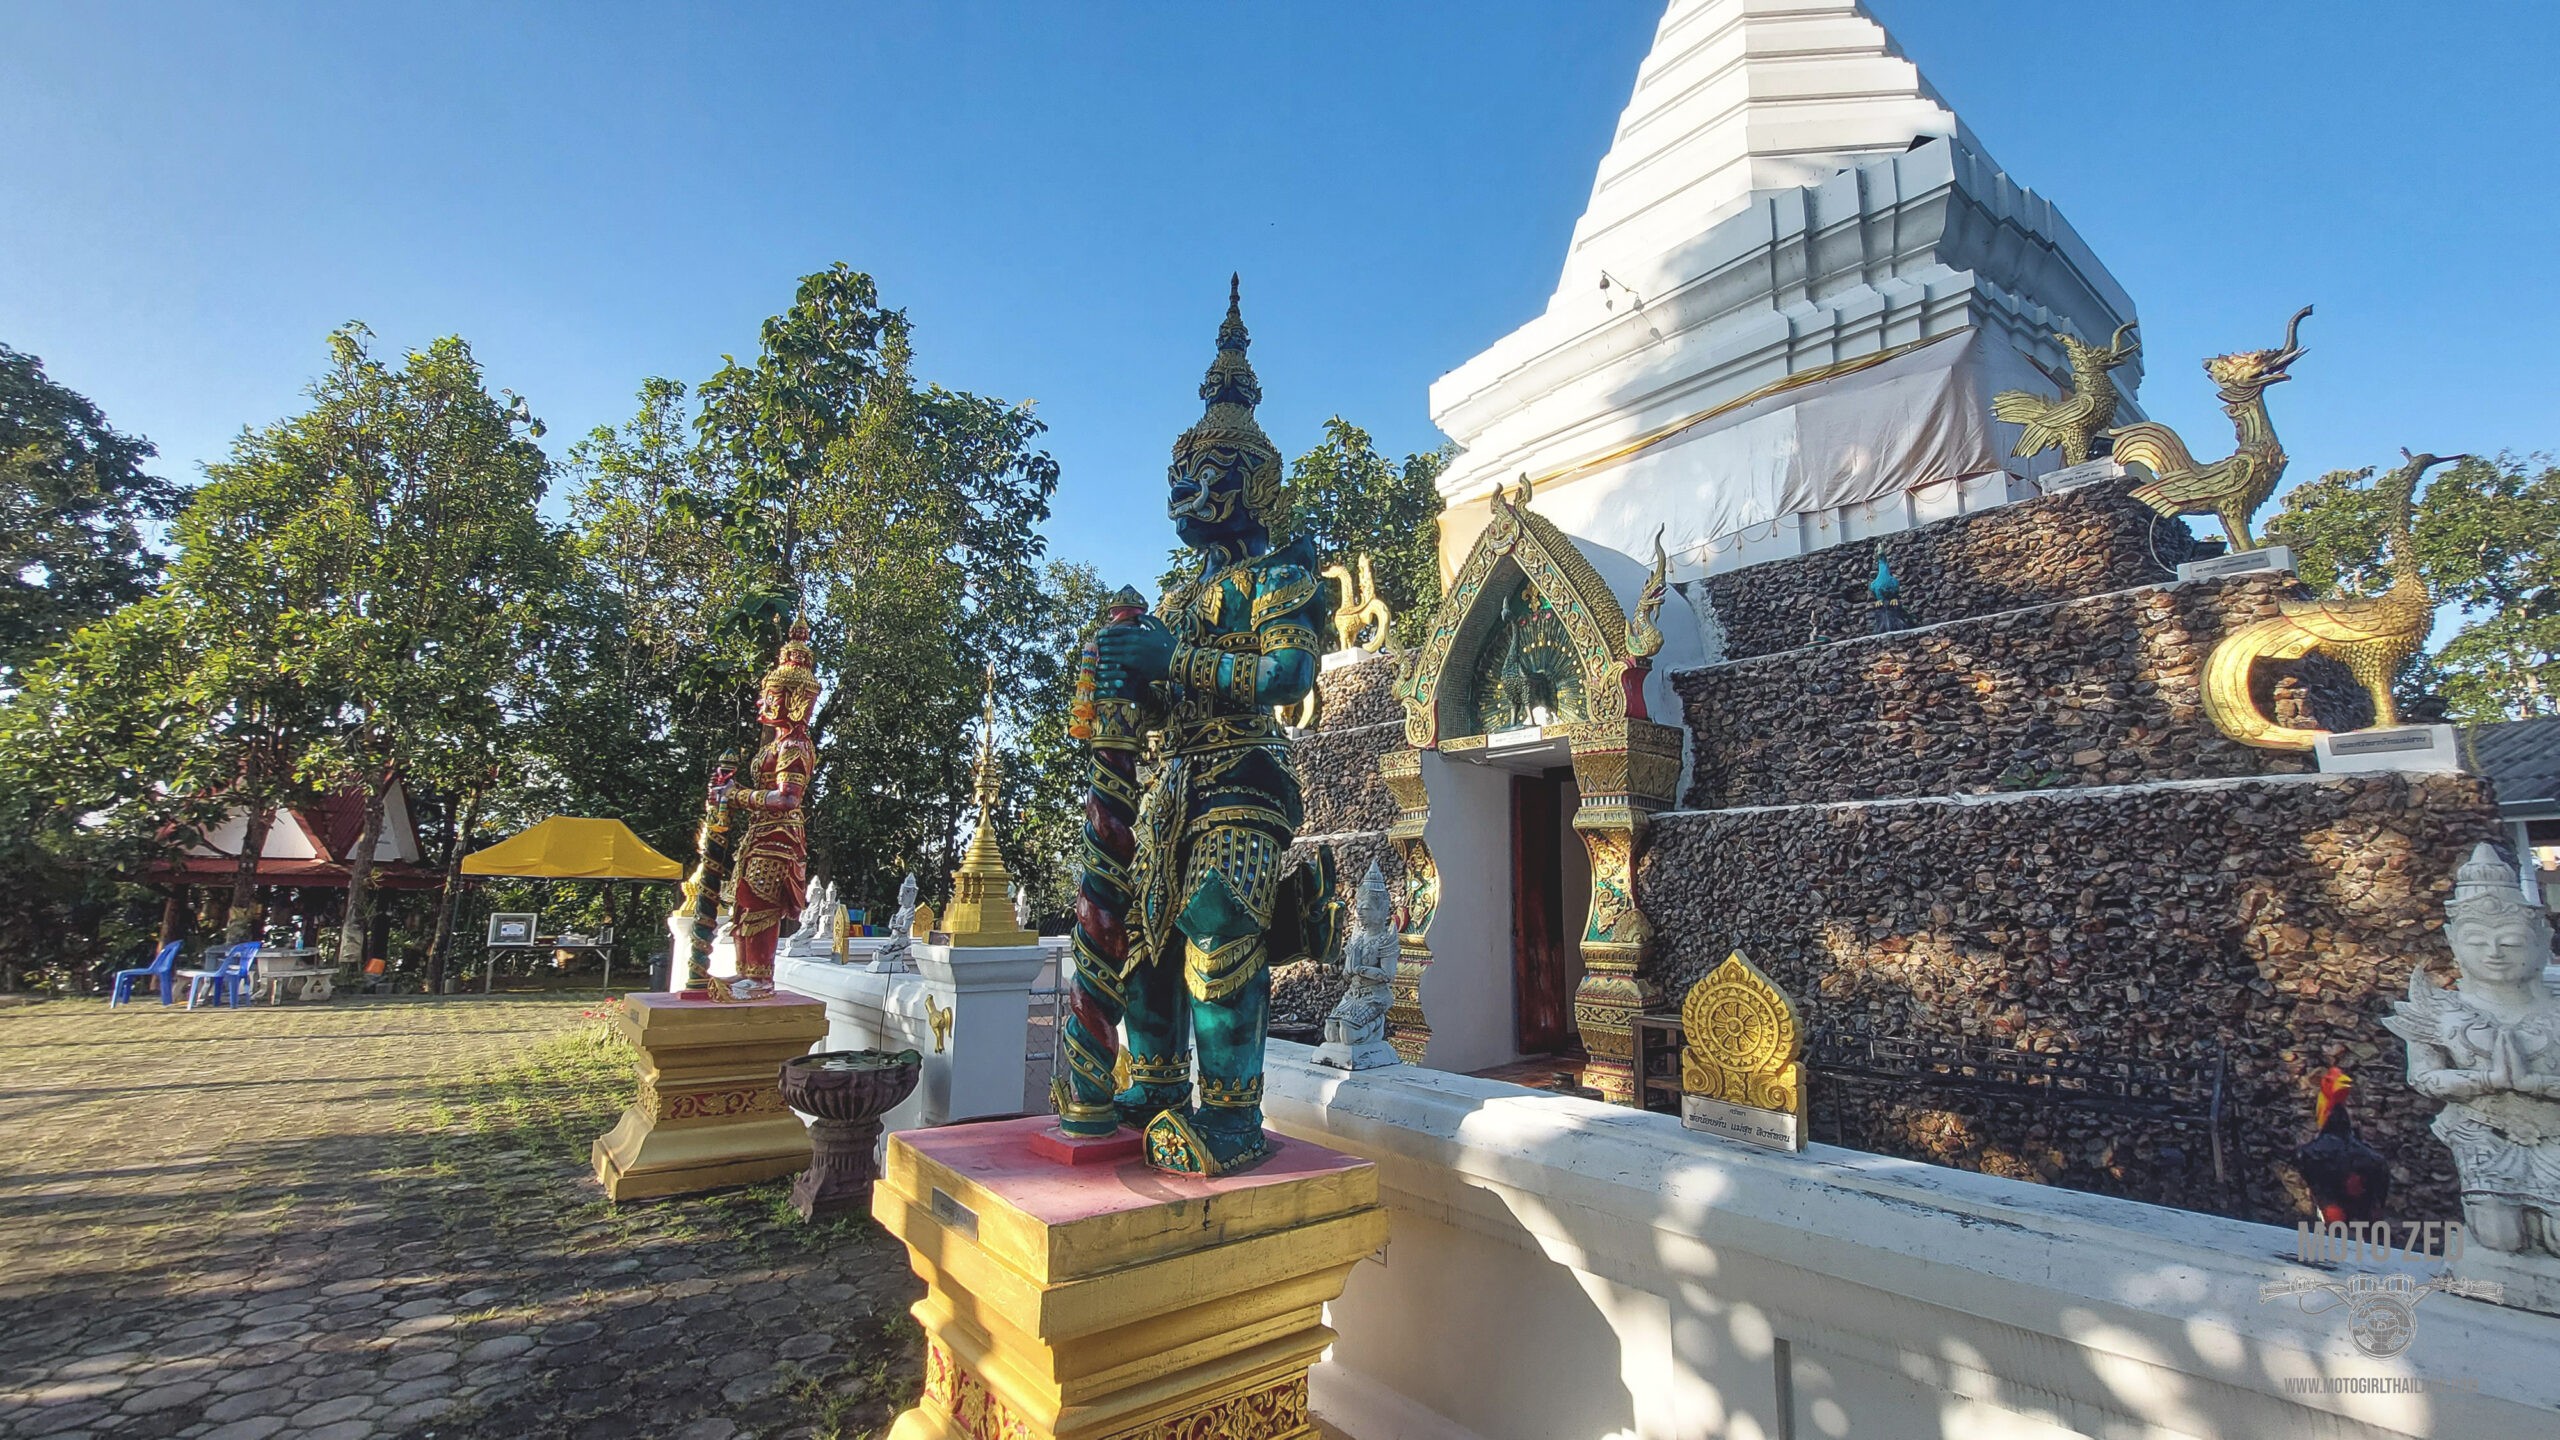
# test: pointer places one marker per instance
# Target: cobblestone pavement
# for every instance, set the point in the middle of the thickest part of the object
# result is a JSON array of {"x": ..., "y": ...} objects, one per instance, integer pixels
[{"x": 374, "y": 1218}]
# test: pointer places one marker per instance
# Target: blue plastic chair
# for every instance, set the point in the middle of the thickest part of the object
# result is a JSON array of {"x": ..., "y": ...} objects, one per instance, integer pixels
[
  {"x": 163, "y": 968},
  {"x": 228, "y": 977}
]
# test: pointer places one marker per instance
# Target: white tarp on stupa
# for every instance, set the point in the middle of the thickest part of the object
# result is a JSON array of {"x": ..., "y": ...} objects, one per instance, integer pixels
[{"x": 1784, "y": 194}]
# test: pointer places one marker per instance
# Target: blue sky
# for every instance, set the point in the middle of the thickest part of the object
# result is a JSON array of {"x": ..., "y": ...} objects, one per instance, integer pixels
[{"x": 192, "y": 195}]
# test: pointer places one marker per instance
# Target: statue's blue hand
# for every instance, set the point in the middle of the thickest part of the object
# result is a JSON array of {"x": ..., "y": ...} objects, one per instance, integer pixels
[{"x": 1133, "y": 656}]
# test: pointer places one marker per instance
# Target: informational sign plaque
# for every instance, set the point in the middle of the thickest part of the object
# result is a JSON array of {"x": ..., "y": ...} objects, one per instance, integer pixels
[
  {"x": 1768, "y": 1129},
  {"x": 2239, "y": 562}
]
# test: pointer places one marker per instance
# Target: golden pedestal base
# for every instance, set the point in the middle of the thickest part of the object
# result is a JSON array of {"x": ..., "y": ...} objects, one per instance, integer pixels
[
  {"x": 1117, "y": 1303},
  {"x": 709, "y": 1114}
]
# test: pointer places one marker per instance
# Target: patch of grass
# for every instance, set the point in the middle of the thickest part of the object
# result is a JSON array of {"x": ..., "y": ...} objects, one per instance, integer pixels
[
  {"x": 858, "y": 1402},
  {"x": 498, "y": 1133}
]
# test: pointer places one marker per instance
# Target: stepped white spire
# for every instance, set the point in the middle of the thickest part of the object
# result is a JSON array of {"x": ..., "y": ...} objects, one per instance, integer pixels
[
  {"x": 1740, "y": 96},
  {"x": 1815, "y": 278}
]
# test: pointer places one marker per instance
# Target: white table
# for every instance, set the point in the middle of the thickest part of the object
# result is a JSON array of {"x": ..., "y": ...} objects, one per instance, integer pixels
[{"x": 277, "y": 967}]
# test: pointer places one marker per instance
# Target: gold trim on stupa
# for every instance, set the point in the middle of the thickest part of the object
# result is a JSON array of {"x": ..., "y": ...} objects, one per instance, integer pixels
[{"x": 981, "y": 912}]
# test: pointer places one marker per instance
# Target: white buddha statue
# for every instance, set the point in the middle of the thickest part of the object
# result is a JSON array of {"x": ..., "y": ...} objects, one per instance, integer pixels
[
  {"x": 2490, "y": 1048},
  {"x": 1355, "y": 1034},
  {"x": 893, "y": 956}
]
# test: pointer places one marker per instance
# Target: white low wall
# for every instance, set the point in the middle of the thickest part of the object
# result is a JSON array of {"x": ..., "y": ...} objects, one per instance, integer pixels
[
  {"x": 981, "y": 1068},
  {"x": 1559, "y": 1269}
]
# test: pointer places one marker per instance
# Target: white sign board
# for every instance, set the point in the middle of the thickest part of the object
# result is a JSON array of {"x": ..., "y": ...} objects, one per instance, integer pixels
[
  {"x": 1768, "y": 1129},
  {"x": 2238, "y": 562},
  {"x": 2402, "y": 747}
]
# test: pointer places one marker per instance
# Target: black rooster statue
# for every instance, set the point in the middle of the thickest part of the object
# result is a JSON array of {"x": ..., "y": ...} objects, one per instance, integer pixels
[{"x": 2349, "y": 1179}]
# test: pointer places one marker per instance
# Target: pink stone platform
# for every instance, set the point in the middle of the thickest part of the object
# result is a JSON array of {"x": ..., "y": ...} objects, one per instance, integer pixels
[
  {"x": 1054, "y": 1144},
  {"x": 999, "y": 1156},
  {"x": 678, "y": 1000}
]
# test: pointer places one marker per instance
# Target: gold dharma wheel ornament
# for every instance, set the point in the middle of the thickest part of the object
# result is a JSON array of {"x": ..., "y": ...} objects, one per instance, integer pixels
[{"x": 1744, "y": 1043}]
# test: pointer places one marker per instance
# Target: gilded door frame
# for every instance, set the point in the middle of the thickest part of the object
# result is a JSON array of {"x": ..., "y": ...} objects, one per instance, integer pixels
[{"x": 1625, "y": 767}]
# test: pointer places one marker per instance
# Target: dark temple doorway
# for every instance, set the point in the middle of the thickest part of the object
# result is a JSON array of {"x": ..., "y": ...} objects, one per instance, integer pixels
[{"x": 1550, "y": 900}]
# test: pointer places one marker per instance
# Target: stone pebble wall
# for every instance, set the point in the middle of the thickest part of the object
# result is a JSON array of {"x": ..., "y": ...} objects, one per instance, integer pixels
[
  {"x": 2085, "y": 541},
  {"x": 1358, "y": 719},
  {"x": 2277, "y": 917},
  {"x": 2102, "y": 690}
]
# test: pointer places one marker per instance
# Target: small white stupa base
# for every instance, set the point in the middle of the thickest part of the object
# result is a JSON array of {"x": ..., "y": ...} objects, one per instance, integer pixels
[{"x": 1365, "y": 1055}]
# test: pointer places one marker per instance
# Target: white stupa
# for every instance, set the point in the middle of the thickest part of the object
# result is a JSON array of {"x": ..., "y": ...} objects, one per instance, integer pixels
[{"x": 1785, "y": 193}]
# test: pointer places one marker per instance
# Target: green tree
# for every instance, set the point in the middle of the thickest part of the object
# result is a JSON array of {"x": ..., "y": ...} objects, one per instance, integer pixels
[
  {"x": 1046, "y": 776},
  {"x": 143, "y": 731},
  {"x": 1353, "y": 500},
  {"x": 902, "y": 519},
  {"x": 74, "y": 503},
  {"x": 641, "y": 685},
  {"x": 401, "y": 507},
  {"x": 92, "y": 748},
  {"x": 2487, "y": 536}
]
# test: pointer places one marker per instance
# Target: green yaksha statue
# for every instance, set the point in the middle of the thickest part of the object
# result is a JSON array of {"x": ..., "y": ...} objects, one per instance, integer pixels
[{"x": 1211, "y": 900}]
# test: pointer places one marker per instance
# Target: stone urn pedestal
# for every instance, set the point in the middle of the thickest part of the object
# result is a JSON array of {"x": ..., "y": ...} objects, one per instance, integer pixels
[{"x": 847, "y": 1091}]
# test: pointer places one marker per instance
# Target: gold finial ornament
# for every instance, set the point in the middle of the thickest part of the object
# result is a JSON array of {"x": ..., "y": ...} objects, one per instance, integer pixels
[
  {"x": 981, "y": 910},
  {"x": 939, "y": 1017},
  {"x": 2084, "y": 409},
  {"x": 2371, "y": 636},
  {"x": 1745, "y": 1045},
  {"x": 2232, "y": 488},
  {"x": 1227, "y": 433}
]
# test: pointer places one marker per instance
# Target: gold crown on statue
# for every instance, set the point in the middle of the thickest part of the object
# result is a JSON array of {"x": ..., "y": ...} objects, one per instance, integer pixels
[
  {"x": 1232, "y": 390},
  {"x": 796, "y": 674}
]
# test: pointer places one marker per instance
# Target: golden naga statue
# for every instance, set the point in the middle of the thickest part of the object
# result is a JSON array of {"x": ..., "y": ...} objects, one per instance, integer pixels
[
  {"x": 2370, "y": 635},
  {"x": 2232, "y": 488},
  {"x": 1644, "y": 635},
  {"x": 1360, "y": 617},
  {"x": 2084, "y": 409}
]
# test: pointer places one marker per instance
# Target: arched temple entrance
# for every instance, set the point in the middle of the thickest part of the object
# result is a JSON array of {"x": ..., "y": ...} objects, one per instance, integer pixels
[{"x": 1534, "y": 761}]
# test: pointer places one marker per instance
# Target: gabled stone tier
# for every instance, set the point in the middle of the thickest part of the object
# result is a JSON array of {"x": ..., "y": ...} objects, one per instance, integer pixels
[
  {"x": 1358, "y": 719},
  {"x": 1347, "y": 807},
  {"x": 2102, "y": 690},
  {"x": 2086, "y": 541},
  {"x": 2277, "y": 917}
]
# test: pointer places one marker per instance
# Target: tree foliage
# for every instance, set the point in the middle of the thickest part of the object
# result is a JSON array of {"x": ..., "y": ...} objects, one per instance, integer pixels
[
  {"x": 366, "y": 589},
  {"x": 2487, "y": 540},
  {"x": 822, "y": 478},
  {"x": 1353, "y": 500},
  {"x": 74, "y": 501},
  {"x": 399, "y": 512}
]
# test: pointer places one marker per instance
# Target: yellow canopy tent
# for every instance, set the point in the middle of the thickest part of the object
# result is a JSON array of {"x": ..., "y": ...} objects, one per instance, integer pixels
[{"x": 568, "y": 847}]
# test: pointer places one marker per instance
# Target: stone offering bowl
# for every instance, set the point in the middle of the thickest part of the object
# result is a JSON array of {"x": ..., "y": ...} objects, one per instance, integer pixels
[{"x": 848, "y": 1091}]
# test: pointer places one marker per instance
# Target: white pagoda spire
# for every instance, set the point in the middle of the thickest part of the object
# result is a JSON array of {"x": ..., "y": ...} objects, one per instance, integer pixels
[
  {"x": 1743, "y": 349},
  {"x": 1738, "y": 96}
]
